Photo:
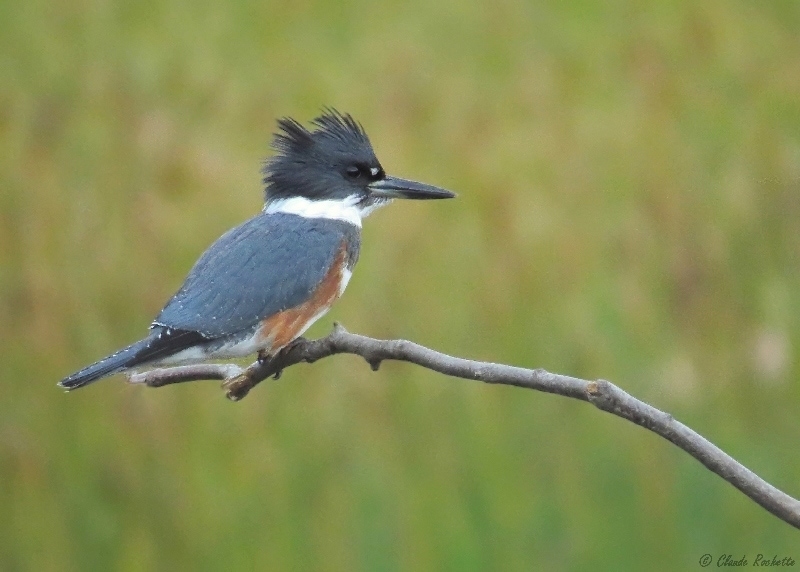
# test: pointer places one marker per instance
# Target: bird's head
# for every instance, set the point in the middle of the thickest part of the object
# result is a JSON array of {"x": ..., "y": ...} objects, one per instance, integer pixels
[{"x": 332, "y": 172}]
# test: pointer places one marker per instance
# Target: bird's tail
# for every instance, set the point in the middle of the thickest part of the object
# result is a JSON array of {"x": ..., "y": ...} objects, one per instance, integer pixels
[{"x": 110, "y": 365}]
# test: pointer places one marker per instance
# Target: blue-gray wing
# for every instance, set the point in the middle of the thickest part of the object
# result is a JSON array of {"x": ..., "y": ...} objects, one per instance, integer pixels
[{"x": 267, "y": 264}]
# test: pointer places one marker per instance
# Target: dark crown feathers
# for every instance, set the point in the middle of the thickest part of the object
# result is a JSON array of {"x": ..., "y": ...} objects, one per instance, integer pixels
[{"x": 332, "y": 124}]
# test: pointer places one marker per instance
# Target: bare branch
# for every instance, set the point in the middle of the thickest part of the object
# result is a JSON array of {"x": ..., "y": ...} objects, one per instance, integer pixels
[
  {"x": 179, "y": 374},
  {"x": 602, "y": 394}
]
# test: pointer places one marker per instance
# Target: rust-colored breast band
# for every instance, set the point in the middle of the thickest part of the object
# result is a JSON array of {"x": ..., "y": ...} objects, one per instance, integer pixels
[{"x": 283, "y": 327}]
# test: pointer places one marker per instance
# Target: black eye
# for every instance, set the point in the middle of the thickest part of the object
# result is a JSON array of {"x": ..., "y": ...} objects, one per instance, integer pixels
[{"x": 353, "y": 171}]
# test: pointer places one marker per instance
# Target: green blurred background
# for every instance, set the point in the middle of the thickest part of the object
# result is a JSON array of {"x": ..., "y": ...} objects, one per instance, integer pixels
[{"x": 629, "y": 179}]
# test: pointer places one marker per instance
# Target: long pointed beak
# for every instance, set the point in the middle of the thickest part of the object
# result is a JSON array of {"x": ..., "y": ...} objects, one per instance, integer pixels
[{"x": 396, "y": 188}]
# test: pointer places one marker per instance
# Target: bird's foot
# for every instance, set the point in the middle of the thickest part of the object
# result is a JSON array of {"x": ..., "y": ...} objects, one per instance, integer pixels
[
  {"x": 238, "y": 386},
  {"x": 281, "y": 356},
  {"x": 265, "y": 359}
]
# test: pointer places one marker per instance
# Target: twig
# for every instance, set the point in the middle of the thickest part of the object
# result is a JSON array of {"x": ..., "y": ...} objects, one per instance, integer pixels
[{"x": 602, "y": 394}]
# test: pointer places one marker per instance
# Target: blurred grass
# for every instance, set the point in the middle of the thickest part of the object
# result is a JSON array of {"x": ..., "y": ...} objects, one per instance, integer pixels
[{"x": 629, "y": 179}]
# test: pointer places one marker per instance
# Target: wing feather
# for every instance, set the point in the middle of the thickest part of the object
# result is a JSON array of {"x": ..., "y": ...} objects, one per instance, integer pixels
[{"x": 268, "y": 264}]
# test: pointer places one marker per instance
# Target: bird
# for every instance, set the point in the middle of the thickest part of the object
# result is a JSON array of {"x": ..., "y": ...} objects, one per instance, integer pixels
[{"x": 263, "y": 283}]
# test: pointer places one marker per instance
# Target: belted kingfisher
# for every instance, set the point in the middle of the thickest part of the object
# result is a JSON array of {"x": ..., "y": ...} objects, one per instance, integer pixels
[{"x": 263, "y": 283}]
